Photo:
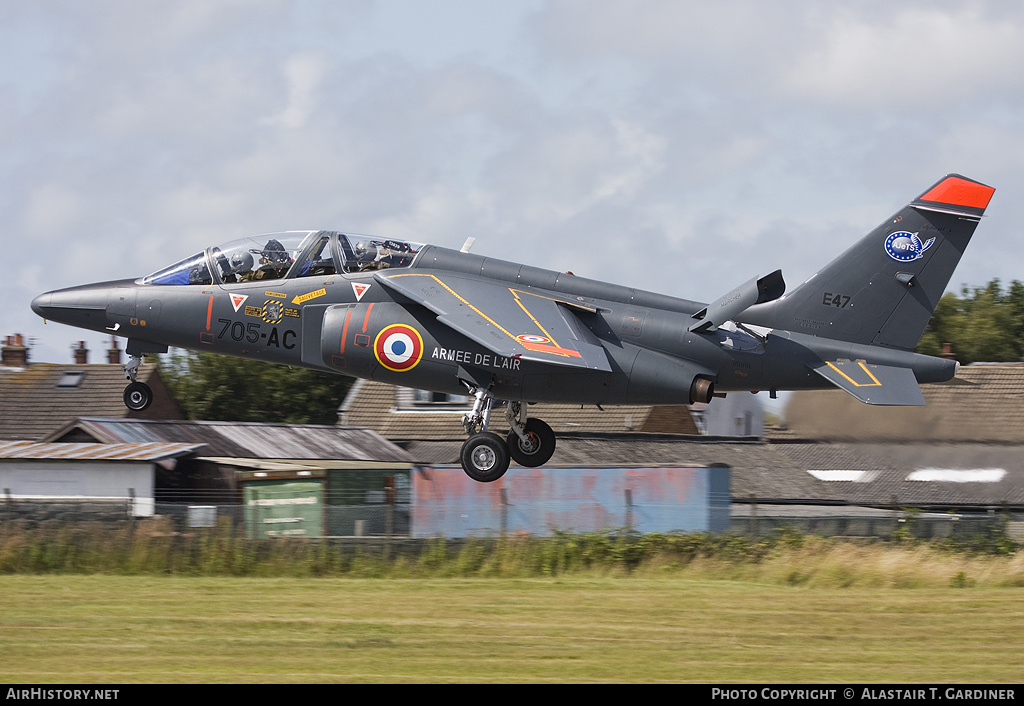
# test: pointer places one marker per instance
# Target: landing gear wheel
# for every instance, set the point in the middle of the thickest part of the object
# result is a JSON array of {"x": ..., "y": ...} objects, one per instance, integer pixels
[
  {"x": 484, "y": 457},
  {"x": 137, "y": 396},
  {"x": 535, "y": 452}
]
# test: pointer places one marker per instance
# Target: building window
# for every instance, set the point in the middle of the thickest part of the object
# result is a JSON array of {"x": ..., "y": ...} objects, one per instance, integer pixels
[
  {"x": 71, "y": 378},
  {"x": 428, "y": 398}
]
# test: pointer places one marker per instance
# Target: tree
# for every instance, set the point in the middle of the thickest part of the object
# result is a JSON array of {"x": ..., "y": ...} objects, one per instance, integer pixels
[
  {"x": 983, "y": 324},
  {"x": 216, "y": 387}
]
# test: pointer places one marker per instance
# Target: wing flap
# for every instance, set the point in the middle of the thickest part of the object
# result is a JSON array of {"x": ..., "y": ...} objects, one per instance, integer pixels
[
  {"x": 509, "y": 321},
  {"x": 871, "y": 383}
]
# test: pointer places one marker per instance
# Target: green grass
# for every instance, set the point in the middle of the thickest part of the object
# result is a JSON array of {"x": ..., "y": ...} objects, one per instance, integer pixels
[{"x": 144, "y": 629}]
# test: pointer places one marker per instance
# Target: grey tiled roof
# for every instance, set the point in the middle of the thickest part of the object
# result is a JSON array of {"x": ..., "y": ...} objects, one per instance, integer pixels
[
  {"x": 889, "y": 466},
  {"x": 757, "y": 468},
  {"x": 778, "y": 473},
  {"x": 389, "y": 411},
  {"x": 983, "y": 403},
  {"x": 33, "y": 404}
]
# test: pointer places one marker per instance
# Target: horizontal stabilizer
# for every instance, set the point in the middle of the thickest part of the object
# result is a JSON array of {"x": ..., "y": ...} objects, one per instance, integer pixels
[
  {"x": 728, "y": 307},
  {"x": 873, "y": 384}
]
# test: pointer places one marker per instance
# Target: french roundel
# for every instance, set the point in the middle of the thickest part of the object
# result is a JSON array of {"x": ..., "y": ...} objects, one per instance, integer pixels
[{"x": 398, "y": 347}]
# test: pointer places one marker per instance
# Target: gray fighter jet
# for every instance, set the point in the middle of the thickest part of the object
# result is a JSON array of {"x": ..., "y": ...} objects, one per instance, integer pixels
[{"x": 431, "y": 318}]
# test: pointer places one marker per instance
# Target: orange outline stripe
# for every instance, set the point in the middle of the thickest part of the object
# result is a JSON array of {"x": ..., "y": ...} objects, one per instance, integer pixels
[
  {"x": 367, "y": 319},
  {"x": 344, "y": 331}
]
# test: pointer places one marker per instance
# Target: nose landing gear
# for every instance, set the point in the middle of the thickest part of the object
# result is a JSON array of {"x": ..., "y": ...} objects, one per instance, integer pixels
[{"x": 138, "y": 395}]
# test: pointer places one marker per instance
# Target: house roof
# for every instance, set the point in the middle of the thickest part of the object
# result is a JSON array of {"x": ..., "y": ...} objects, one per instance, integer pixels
[
  {"x": 393, "y": 413},
  {"x": 25, "y": 450},
  {"x": 39, "y": 398},
  {"x": 919, "y": 474},
  {"x": 985, "y": 402},
  {"x": 242, "y": 439}
]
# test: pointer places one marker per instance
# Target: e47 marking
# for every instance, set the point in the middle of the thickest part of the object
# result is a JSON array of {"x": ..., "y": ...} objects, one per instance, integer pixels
[{"x": 837, "y": 300}]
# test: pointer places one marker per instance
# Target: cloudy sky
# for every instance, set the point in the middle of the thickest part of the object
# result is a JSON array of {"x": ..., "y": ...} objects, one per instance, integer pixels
[{"x": 681, "y": 147}]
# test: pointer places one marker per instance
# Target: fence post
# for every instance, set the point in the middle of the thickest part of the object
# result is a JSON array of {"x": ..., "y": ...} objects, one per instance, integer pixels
[
  {"x": 504, "y": 511},
  {"x": 629, "y": 509},
  {"x": 389, "y": 514}
]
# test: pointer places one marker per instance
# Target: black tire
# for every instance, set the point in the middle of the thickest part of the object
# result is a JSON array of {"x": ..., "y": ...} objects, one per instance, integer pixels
[
  {"x": 539, "y": 450},
  {"x": 484, "y": 457},
  {"x": 137, "y": 396}
]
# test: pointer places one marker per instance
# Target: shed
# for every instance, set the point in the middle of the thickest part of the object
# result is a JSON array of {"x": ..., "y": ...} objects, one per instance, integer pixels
[
  {"x": 540, "y": 501},
  {"x": 110, "y": 473}
]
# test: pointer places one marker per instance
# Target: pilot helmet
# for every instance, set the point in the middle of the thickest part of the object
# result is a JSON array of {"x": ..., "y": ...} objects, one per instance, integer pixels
[
  {"x": 241, "y": 261},
  {"x": 274, "y": 252},
  {"x": 366, "y": 251}
]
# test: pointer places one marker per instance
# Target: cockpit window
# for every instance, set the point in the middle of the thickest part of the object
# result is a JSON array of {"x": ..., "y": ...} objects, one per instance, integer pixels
[
  {"x": 363, "y": 253},
  {"x": 261, "y": 257},
  {"x": 192, "y": 270},
  {"x": 304, "y": 253},
  {"x": 317, "y": 260}
]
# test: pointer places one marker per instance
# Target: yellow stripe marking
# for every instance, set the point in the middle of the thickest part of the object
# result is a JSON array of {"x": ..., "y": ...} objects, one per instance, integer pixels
[
  {"x": 874, "y": 383},
  {"x": 522, "y": 306},
  {"x": 515, "y": 295}
]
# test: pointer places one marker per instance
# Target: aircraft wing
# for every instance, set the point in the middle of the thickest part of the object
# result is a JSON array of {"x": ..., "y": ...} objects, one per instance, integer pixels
[
  {"x": 870, "y": 383},
  {"x": 508, "y": 320}
]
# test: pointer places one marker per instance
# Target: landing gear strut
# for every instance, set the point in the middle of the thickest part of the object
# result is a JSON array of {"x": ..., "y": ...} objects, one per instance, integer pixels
[
  {"x": 138, "y": 395},
  {"x": 485, "y": 455}
]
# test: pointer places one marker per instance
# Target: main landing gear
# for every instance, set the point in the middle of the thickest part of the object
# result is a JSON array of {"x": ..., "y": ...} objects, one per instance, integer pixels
[
  {"x": 485, "y": 455},
  {"x": 138, "y": 395}
]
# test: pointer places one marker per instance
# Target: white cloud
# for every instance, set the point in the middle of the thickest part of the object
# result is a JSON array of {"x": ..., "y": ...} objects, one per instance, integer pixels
[{"x": 916, "y": 58}]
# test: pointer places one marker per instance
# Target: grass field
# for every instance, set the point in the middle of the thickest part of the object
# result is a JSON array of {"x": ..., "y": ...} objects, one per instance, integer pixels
[{"x": 146, "y": 629}]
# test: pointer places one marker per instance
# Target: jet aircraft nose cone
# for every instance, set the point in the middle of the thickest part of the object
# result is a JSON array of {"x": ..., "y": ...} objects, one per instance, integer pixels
[
  {"x": 86, "y": 306},
  {"x": 41, "y": 304}
]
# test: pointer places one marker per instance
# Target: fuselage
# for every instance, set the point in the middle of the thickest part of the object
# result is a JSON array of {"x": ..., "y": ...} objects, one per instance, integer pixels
[{"x": 337, "y": 316}]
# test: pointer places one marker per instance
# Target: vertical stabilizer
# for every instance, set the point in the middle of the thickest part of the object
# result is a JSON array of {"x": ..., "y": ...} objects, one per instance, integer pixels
[{"x": 883, "y": 290}]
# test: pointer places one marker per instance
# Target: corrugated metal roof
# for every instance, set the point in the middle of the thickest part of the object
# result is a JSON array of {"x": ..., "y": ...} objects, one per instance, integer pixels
[
  {"x": 248, "y": 439},
  {"x": 94, "y": 452}
]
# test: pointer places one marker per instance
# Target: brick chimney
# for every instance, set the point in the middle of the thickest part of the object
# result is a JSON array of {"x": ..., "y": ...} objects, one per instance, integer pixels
[
  {"x": 114, "y": 353},
  {"x": 947, "y": 351},
  {"x": 81, "y": 354},
  {"x": 14, "y": 352}
]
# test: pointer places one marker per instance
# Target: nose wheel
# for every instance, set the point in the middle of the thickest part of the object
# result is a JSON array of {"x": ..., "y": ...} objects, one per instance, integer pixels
[{"x": 138, "y": 396}]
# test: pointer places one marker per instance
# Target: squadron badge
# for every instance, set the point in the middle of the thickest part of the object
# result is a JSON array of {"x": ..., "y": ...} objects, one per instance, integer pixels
[{"x": 906, "y": 247}]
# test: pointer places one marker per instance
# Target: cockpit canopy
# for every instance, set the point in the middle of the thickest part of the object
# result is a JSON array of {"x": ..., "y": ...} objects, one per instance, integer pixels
[{"x": 303, "y": 253}]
